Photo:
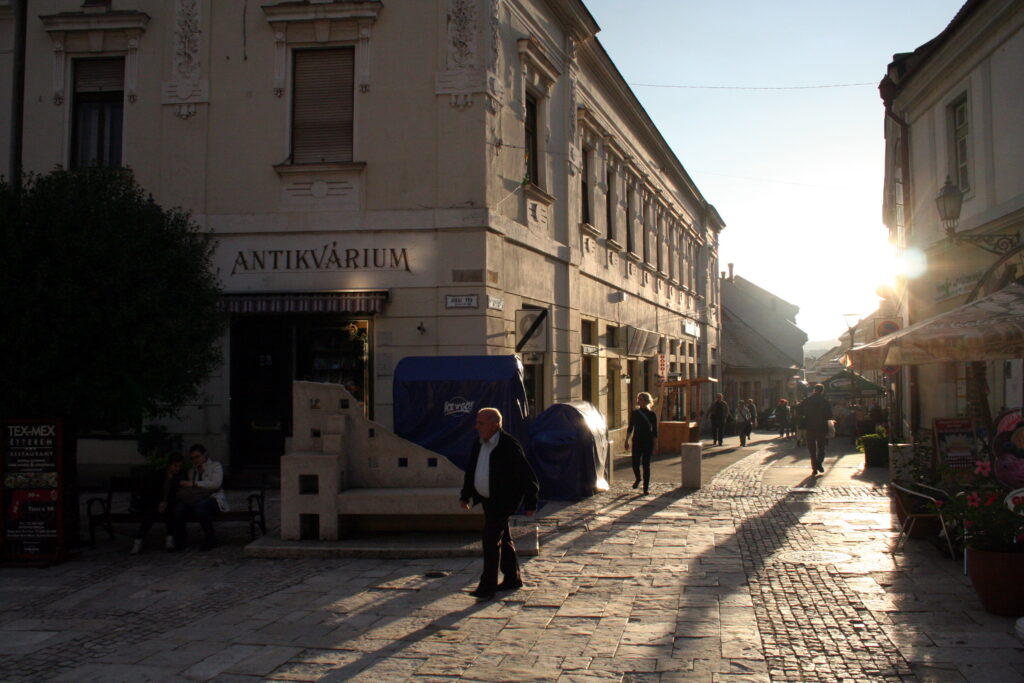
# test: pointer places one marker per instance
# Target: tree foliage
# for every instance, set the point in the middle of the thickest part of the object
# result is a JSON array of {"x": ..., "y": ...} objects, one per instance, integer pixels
[{"x": 108, "y": 303}]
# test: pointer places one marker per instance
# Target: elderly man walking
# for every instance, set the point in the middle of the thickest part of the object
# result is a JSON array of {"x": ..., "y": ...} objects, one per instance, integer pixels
[{"x": 500, "y": 478}]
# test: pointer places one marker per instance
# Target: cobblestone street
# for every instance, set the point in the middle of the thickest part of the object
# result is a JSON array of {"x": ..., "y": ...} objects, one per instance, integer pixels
[{"x": 766, "y": 574}]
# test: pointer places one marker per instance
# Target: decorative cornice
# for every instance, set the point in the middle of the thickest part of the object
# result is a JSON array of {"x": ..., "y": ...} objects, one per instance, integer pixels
[
  {"x": 305, "y": 11},
  {"x": 116, "y": 20},
  {"x": 536, "y": 62},
  {"x": 90, "y": 32}
]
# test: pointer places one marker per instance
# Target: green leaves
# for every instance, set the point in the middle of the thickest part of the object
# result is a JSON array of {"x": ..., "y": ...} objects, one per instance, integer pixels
[{"x": 108, "y": 302}]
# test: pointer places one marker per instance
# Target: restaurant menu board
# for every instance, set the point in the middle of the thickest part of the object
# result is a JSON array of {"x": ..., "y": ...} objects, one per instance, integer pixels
[
  {"x": 956, "y": 444},
  {"x": 30, "y": 465}
]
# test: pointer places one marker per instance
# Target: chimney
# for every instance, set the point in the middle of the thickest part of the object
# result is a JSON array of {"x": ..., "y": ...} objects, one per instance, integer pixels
[
  {"x": 730, "y": 273},
  {"x": 723, "y": 274}
]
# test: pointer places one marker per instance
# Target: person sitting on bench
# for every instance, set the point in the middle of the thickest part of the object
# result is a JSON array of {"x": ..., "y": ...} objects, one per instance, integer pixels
[
  {"x": 200, "y": 498},
  {"x": 163, "y": 507}
]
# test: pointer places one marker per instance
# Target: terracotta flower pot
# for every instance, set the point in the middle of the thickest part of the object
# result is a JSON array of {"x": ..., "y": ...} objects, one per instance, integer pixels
[{"x": 996, "y": 577}]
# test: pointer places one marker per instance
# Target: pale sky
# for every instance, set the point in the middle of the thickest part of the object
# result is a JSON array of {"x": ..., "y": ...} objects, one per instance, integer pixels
[{"x": 795, "y": 174}]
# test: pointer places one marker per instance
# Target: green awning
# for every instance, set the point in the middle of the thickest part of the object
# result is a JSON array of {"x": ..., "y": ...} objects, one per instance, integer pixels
[{"x": 847, "y": 384}]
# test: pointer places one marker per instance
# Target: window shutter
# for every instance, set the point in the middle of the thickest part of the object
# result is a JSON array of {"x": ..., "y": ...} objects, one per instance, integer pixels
[
  {"x": 99, "y": 75},
  {"x": 322, "y": 106}
]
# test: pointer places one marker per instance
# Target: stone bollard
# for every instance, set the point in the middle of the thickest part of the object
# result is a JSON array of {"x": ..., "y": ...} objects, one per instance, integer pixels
[{"x": 691, "y": 465}]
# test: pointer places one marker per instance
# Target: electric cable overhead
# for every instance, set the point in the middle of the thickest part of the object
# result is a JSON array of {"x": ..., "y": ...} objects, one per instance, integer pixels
[{"x": 749, "y": 87}]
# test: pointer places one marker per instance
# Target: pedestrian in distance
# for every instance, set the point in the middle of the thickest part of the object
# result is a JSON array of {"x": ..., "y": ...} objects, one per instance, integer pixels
[
  {"x": 161, "y": 506},
  {"x": 200, "y": 498},
  {"x": 816, "y": 412},
  {"x": 753, "y": 413},
  {"x": 499, "y": 478},
  {"x": 718, "y": 414},
  {"x": 781, "y": 415},
  {"x": 643, "y": 427},
  {"x": 744, "y": 422}
]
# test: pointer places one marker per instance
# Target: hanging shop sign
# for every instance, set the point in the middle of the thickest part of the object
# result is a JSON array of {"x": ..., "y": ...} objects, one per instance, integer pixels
[
  {"x": 31, "y": 467},
  {"x": 955, "y": 286},
  {"x": 662, "y": 366}
]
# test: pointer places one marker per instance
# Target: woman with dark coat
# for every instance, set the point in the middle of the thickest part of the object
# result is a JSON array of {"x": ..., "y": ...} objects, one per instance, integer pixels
[{"x": 643, "y": 427}]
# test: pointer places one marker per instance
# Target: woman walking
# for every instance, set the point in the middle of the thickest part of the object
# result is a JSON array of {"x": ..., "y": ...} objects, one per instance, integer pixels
[{"x": 643, "y": 427}]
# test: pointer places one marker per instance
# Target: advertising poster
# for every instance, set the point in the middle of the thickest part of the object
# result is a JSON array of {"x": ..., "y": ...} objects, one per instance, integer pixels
[
  {"x": 30, "y": 467},
  {"x": 956, "y": 445}
]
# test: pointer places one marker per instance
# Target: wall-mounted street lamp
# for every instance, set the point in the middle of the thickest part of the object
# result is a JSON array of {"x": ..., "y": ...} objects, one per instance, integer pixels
[{"x": 950, "y": 200}]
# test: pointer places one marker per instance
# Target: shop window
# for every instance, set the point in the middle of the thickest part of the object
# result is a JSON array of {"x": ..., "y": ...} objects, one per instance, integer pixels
[
  {"x": 97, "y": 112},
  {"x": 322, "y": 106}
]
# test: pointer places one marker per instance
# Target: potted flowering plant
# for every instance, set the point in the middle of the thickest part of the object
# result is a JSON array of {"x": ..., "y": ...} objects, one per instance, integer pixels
[{"x": 992, "y": 529}]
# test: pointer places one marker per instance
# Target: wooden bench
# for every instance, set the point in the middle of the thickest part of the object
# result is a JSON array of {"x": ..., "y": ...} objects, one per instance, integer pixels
[{"x": 100, "y": 510}]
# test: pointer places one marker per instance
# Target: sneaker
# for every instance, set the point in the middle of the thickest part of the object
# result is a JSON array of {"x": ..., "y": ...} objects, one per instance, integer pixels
[
  {"x": 169, "y": 543},
  {"x": 136, "y": 547}
]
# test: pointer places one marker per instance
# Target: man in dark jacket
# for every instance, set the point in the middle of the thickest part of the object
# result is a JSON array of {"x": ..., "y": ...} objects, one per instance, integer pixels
[
  {"x": 499, "y": 477},
  {"x": 816, "y": 411},
  {"x": 718, "y": 413}
]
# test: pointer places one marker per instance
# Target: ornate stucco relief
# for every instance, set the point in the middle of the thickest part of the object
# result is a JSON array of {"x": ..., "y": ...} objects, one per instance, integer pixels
[
  {"x": 468, "y": 72},
  {"x": 186, "y": 88}
]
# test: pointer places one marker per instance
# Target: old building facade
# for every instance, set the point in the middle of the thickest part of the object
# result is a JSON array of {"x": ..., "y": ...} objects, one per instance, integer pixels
[
  {"x": 762, "y": 345},
  {"x": 388, "y": 180},
  {"x": 954, "y": 109}
]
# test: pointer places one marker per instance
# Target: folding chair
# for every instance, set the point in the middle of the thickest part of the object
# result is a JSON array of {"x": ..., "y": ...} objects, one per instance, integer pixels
[{"x": 911, "y": 503}]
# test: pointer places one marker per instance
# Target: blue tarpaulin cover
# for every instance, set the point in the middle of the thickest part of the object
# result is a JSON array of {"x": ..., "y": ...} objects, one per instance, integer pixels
[
  {"x": 568, "y": 449},
  {"x": 436, "y": 399}
]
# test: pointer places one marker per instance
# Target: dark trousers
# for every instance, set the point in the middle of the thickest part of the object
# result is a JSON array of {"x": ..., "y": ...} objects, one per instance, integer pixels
[
  {"x": 499, "y": 552},
  {"x": 816, "y": 445},
  {"x": 717, "y": 431},
  {"x": 642, "y": 457},
  {"x": 203, "y": 512},
  {"x": 152, "y": 516}
]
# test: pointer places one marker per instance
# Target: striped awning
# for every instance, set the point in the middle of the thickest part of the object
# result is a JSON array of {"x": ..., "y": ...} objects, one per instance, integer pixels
[{"x": 364, "y": 301}]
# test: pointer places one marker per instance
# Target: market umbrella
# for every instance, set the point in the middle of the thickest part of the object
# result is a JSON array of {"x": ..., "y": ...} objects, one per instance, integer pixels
[{"x": 990, "y": 328}]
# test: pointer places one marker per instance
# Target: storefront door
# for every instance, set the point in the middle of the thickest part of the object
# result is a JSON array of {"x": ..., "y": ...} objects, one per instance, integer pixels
[{"x": 268, "y": 352}]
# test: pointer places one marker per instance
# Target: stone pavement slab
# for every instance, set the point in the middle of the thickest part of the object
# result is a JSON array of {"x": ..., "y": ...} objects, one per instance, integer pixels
[{"x": 766, "y": 574}]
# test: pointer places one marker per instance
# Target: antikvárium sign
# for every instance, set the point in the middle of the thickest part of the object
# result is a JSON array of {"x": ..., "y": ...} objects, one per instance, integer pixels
[{"x": 325, "y": 258}]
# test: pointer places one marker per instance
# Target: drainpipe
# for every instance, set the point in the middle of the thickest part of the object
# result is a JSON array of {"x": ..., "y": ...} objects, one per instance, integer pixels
[
  {"x": 17, "y": 94},
  {"x": 888, "y": 90}
]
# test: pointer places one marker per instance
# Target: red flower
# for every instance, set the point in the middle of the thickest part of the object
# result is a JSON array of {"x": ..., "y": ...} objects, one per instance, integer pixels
[
  {"x": 991, "y": 498},
  {"x": 968, "y": 523},
  {"x": 973, "y": 500},
  {"x": 939, "y": 503},
  {"x": 982, "y": 467}
]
